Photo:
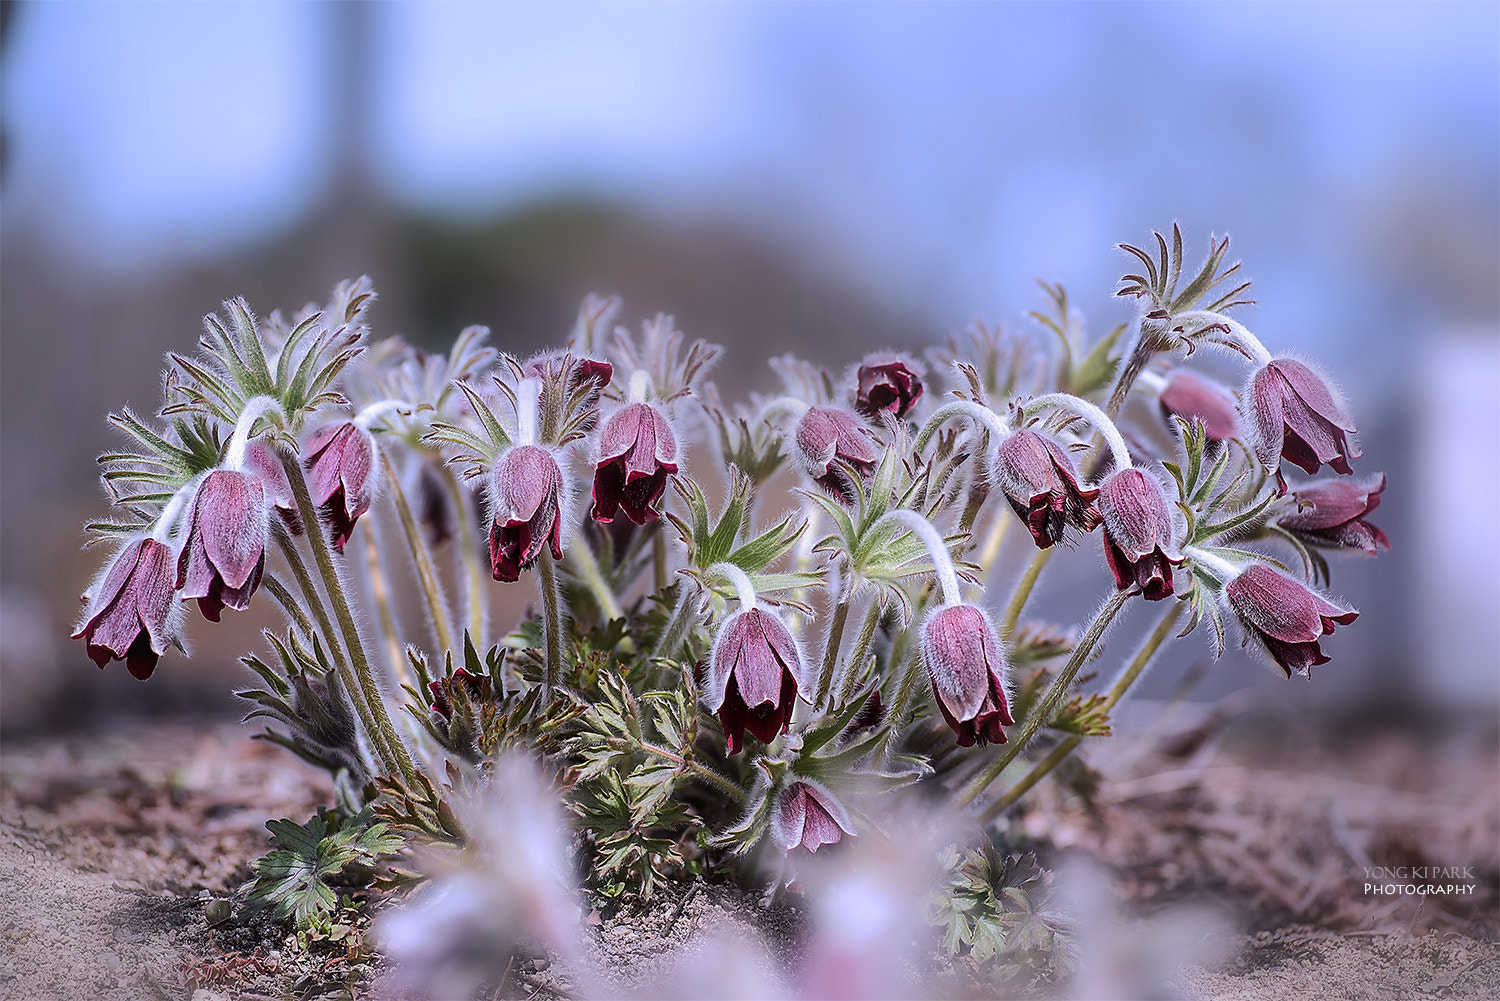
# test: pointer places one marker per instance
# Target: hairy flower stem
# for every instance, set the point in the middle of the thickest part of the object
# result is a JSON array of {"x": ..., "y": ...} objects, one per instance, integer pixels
[
  {"x": 288, "y": 603},
  {"x": 1117, "y": 691},
  {"x": 1147, "y": 342},
  {"x": 379, "y": 721},
  {"x": 380, "y": 590},
  {"x": 474, "y": 569},
  {"x": 659, "y": 559},
  {"x": 1042, "y": 711},
  {"x": 979, "y": 487},
  {"x": 587, "y": 570},
  {"x": 421, "y": 555},
  {"x": 691, "y": 767},
  {"x": 1023, "y": 592},
  {"x": 551, "y": 622},
  {"x": 861, "y": 651},
  {"x": 831, "y": 651}
]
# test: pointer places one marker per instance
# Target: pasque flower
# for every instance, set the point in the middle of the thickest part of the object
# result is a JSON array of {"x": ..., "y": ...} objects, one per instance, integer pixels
[
  {"x": 808, "y": 816},
  {"x": 964, "y": 663},
  {"x": 636, "y": 451},
  {"x": 130, "y": 609},
  {"x": 887, "y": 383},
  {"x": 1138, "y": 543},
  {"x": 1285, "y": 616},
  {"x": 340, "y": 458},
  {"x": 1296, "y": 417},
  {"x": 263, "y": 461},
  {"x": 528, "y": 496},
  {"x": 1041, "y": 484},
  {"x": 1331, "y": 514},
  {"x": 224, "y": 552},
  {"x": 754, "y": 674},
  {"x": 1189, "y": 395},
  {"x": 826, "y": 436}
]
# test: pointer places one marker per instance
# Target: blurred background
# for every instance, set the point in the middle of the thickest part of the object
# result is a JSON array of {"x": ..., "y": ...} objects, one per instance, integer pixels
[{"x": 825, "y": 178}]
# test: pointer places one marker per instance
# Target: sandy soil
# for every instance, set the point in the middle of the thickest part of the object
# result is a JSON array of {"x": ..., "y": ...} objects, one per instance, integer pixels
[{"x": 114, "y": 848}]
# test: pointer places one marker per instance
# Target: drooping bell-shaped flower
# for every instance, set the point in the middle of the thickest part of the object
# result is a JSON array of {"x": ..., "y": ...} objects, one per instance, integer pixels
[
  {"x": 1295, "y": 416},
  {"x": 1331, "y": 514},
  {"x": 340, "y": 459},
  {"x": 1138, "y": 534},
  {"x": 754, "y": 673},
  {"x": 826, "y": 436},
  {"x": 130, "y": 610},
  {"x": 808, "y": 816},
  {"x": 1041, "y": 484},
  {"x": 264, "y": 463},
  {"x": 887, "y": 383},
  {"x": 636, "y": 452},
  {"x": 964, "y": 662},
  {"x": 1285, "y": 616},
  {"x": 224, "y": 552},
  {"x": 1189, "y": 395},
  {"x": 526, "y": 489}
]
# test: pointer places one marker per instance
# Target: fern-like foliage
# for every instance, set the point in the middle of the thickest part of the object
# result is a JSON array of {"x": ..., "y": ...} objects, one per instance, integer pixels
[{"x": 300, "y": 878}]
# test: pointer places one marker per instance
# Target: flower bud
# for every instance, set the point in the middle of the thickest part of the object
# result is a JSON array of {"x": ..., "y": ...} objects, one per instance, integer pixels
[
  {"x": 1296, "y": 417},
  {"x": 340, "y": 458},
  {"x": 1330, "y": 514},
  {"x": 1285, "y": 616},
  {"x": 963, "y": 660},
  {"x": 131, "y": 607},
  {"x": 826, "y": 435},
  {"x": 754, "y": 673},
  {"x": 224, "y": 553},
  {"x": 527, "y": 490},
  {"x": 636, "y": 452},
  {"x": 1188, "y": 395},
  {"x": 808, "y": 816},
  {"x": 887, "y": 383},
  {"x": 1138, "y": 533},
  {"x": 1041, "y": 484}
]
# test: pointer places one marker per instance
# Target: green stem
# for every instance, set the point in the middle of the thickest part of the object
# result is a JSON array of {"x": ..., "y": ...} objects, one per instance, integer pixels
[
  {"x": 432, "y": 588},
  {"x": 1042, "y": 712},
  {"x": 473, "y": 565},
  {"x": 551, "y": 621},
  {"x": 702, "y": 771},
  {"x": 1141, "y": 350},
  {"x": 317, "y": 535},
  {"x": 380, "y": 590},
  {"x": 587, "y": 569},
  {"x": 659, "y": 559},
  {"x": 1117, "y": 691},
  {"x": 831, "y": 651},
  {"x": 861, "y": 650},
  {"x": 1023, "y": 592},
  {"x": 288, "y": 603},
  {"x": 979, "y": 487}
]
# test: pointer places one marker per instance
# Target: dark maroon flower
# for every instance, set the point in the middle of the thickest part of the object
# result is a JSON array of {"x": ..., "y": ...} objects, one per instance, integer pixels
[
  {"x": 1041, "y": 484},
  {"x": 1296, "y": 418},
  {"x": 340, "y": 458},
  {"x": 224, "y": 552},
  {"x": 887, "y": 384},
  {"x": 442, "y": 691},
  {"x": 636, "y": 453},
  {"x": 1190, "y": 396},
  {"x": 1331, "y": 514},
  {"x": 1138, "y": 533},
  {"x": 527, "y": 488},
  {"x": 753, "y": 676},
  {"x": 1285, "y": 615},
  {"x": 263, "y": 462},
  {"x": 963, "y": 660},
  {"x": 129, "y": 610},
  {"x": 827, "y": 436},
  {"x": 808, "y": 816}
]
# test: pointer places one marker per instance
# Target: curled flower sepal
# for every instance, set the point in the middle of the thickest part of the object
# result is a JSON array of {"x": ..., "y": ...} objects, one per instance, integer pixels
[
  {"x": 1285, "y": 616},
  {"x": 807, "y": 815},
  {"x": 340, "y": 458},
  {"x": 636, "y": 452},
  {"x": 1041, "y": 484},
  {"x": 224, "y": 553},
  {"x": 1331, "y": 514},
  {"x": 131, "y": 610},
  {"x": 828, "y": 436},
  {"x": 887, "y": 382},
  {"x": 755, "y": 672},
  {"x": 967, "y": 671},
  {"x": 1138, "y": 533},
  {"x": 1295, "y": 416},
  {"x": 528, "y": 499}
]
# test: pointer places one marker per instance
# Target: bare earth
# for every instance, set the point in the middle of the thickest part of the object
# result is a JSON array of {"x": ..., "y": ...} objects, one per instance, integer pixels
[{"x": 113, "y": 846}]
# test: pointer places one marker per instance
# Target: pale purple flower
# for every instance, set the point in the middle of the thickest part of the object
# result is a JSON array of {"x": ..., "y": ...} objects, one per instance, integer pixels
[
  {"x": 1296, "y": 417},
  {"x": 340, "y": 459},
  {"x": 527, "y": 489},
  {"x": 808, "y": 816},
  {"x": 1285, "y": 616},
  {"x": 1189, "y": 395},
  {"x": 1041, "y": 484},
  {"x": 131, "y": 608},
  {"x": 754, "y": 673},
  {"x": 827, "y": 436},
  {"x": 224, "y": 552},
  {"x": 967, "y": 670},
  {"x": 1138, "y": 534},
  {"x": 1331, "y": 514}
]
